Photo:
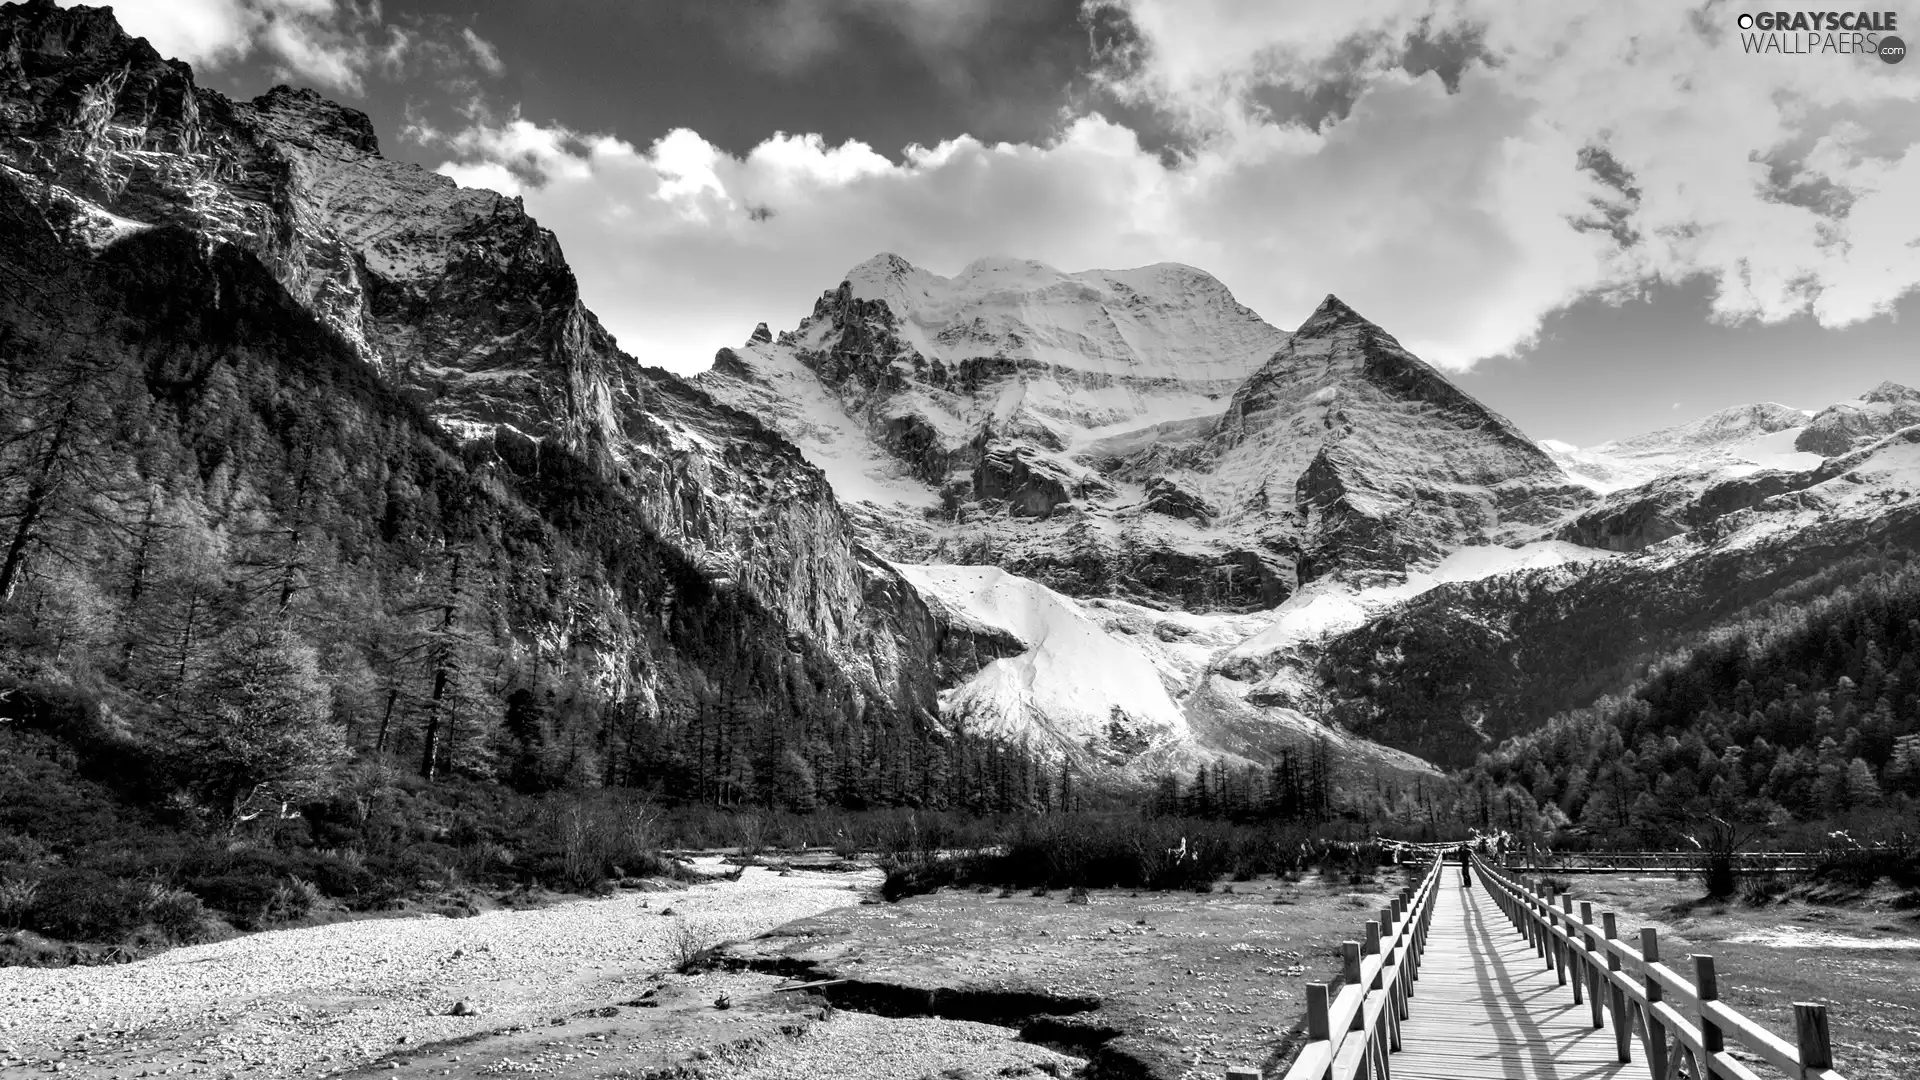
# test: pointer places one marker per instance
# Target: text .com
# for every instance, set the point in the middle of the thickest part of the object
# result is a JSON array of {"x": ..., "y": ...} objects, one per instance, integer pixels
[{"x": 1806, "y": 33}]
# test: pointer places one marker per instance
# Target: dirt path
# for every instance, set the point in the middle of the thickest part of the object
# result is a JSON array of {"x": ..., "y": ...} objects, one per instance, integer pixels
[{"x": 327, "y": 999}]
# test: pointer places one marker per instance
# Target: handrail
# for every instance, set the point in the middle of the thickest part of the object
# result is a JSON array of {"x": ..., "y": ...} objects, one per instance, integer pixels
[
  {"x": 1351, "y": 1032},
  {"x": 1639, "y": 992}
]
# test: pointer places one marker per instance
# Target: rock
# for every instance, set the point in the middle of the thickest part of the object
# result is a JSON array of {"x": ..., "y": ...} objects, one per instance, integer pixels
[
  {"x": 724, "y": 1001},
  {"x": 461, "y": 1008},
  {"x": 1078, "y": 895},
  {"x": 760, "y": 336},
  {"x": 1164, "y": 496},
  {"x": 1847, "y": 426}
]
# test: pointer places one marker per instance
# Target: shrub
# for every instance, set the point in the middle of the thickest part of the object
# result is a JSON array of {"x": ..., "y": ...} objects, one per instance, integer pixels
[
  {"x": 176, "y": 913},
  {"x": 1762, "y": 889},
  {"x": 246, "y": 899},
  {"x": 86, "y": 905},
  {"x": 16, "y": 899},
  {"x": 687, "y": 946}
]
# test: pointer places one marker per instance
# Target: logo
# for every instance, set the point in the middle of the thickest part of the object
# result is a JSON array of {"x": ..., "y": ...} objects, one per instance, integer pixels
[{"x": 1816, "y": 33}]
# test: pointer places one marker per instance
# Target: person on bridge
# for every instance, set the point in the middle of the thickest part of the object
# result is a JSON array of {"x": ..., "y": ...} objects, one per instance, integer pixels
[{"x": 1466, "y": 866}]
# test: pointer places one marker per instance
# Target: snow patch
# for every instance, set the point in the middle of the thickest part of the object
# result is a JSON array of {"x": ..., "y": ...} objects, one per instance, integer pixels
[{"x": 1071, "y": 683}]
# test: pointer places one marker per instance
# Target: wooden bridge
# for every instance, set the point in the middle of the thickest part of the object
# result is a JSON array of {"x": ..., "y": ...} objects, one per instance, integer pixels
[{"x": 1456, "y": 983}]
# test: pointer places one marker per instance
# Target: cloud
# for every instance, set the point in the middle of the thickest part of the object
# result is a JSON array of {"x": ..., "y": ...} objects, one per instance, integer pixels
[
  {"x": 483, "y": 51},
  {"x": 335, "y": 44},
  {"x": 1553, "y": 152},
  {"x": 1701, "y": 134},
  {"x": 790, "y": 35}
]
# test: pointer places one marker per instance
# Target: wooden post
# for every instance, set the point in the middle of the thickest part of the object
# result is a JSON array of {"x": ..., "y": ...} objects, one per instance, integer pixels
[
  {"x": 1542, "y": 904},
  {"x": 1810, "y": 1034},
  {"x": 1242, "y": 1072},
  {"x": 1350, "y": 971},
  {"x": 1594, "y": 1001},
  {"x": 1707, "y": 988},
  {"x": 1622, "y": 1024},
  {"x": 1656, "y": 1045},
  {"x": 1319, "y": 1023},
  {"x": 1566, "y": 957}
]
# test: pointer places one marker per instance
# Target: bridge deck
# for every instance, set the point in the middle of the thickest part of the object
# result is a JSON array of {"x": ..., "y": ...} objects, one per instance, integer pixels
[{"x": 1486, "y": 1006}]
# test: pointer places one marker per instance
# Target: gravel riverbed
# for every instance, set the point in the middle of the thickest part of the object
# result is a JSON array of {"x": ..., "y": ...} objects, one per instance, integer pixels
[{"x": 318, "y": 1000}]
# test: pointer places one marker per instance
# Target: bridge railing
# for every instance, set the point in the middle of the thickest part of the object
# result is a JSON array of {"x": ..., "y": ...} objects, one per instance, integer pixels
[
  {"x": 1351, "y": 1031},
  {"x": 1675, "y": 1018}
]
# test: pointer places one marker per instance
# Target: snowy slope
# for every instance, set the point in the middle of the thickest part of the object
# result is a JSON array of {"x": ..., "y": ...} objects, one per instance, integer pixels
[
  {"x": 1019, "y": 349},
  {"x": 1732, "y": 442},
  {"x": 1277, "y": 662},
  {"x": 1875, "y": 482},
  {"x": 775, "y": 387},
  {"x": 1074, "y": 682},
  {"x": 1161, "y": 323}
]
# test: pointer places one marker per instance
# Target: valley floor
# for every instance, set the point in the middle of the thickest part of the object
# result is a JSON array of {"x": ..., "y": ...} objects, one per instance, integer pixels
[{"x": 330, "y": 999}]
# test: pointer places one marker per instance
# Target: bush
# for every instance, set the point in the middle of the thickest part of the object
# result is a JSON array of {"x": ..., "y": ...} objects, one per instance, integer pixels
[
  {"x": 176, "y": 913},
  {"x": 245, "y": 899},
  {"x": 86, "y": 905},
  {"x": 1862, "y": 866},
  {"x": 1762, "y": 889},
  {"x": 16, "y": 900},
  {"x": 1093, "y": 850}
]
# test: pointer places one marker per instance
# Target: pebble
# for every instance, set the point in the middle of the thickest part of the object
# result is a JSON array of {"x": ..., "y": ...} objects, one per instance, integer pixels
[{"x": 279, "y": 1003}]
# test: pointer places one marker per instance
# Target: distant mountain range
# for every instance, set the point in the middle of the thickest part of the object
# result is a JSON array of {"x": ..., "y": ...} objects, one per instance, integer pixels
[{"x": 1113, "y": 516}]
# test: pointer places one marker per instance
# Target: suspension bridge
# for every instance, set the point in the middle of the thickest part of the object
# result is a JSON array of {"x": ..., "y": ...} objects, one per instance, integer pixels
[{"x": 1507, "y": 979}]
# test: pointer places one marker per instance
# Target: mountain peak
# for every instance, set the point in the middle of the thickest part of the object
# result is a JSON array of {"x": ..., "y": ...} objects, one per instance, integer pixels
[
  {"x": 1332, "y": 314},
  {"x": 881, "y": 267},
  {"x": 305, "y": 113},
  {"x": 1891, "y": 391}
]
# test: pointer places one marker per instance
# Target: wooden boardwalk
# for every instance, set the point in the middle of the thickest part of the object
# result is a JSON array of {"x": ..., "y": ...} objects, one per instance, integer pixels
[{"x": 1487, "y": 1006}]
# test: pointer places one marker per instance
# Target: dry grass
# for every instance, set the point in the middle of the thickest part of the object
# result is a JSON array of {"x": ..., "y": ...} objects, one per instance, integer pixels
[
  {"x": 1771, "y": 955},
  {"x": 1192, "y": 981}
]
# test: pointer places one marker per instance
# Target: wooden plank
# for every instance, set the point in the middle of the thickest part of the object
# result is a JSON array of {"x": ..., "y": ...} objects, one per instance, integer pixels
[{"x": 1489, "y": 1007}]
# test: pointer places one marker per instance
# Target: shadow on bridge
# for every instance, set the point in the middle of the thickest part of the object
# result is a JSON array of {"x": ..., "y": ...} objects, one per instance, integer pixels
[{"x": 1487, "y": 1007}]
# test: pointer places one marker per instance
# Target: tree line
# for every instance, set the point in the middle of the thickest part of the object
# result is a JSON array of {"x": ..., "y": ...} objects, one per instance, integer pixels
[
  {"x": 252, "y": 559},
  {"x": 1805, "y": 713}
]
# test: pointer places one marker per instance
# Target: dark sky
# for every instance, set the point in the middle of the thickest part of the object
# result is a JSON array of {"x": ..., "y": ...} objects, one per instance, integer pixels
[{"x": 891, "y": 73}]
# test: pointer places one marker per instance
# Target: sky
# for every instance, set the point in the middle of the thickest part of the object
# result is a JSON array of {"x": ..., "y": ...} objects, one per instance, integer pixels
[{"x": 1598, "y": 217}]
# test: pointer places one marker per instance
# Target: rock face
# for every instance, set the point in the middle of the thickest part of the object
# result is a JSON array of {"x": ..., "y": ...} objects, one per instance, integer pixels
[
  {"x": 1383, "y": 462},
  {"x": 1847, "y": 426},
  {"x": 463, "y": 302},
  {"x": 966, "y": 417},
  {"x": 1136, "y": 432}
]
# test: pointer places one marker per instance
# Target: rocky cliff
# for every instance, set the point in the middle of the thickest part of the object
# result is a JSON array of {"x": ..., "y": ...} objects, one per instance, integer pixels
[{"x": 466, "y": 306}]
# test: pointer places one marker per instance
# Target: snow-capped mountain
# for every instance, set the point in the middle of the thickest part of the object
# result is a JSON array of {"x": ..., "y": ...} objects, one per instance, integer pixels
[
  {"x": 1136, "y": 433},
  {"x": 1040, "y": 450},
  {"x": 1849, "y": 425},
  {"x": 1113, "y": 514},
  {"x": 1734, "y": 441},
  {"x": 1451, "y": 671}
]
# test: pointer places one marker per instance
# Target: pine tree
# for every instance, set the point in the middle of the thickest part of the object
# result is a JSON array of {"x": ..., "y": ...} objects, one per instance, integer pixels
[{"x": 256, "y": 729}]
